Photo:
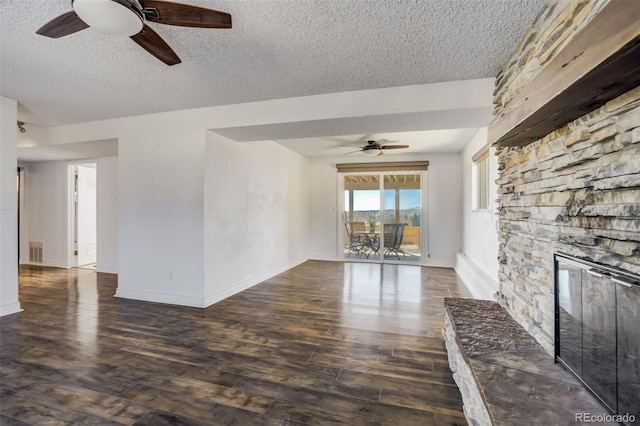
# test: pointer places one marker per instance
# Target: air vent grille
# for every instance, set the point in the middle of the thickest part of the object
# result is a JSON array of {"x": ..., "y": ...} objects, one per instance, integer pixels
[{"x": 35, "y": 251}]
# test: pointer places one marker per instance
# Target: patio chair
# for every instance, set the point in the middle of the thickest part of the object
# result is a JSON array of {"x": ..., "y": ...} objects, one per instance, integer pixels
[
  {"x": 395, "y": 243},
  {"x": 355, "y": 243}
]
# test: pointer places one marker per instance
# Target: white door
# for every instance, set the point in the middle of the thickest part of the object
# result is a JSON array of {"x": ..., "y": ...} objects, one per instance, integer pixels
[{"x": 86, "y": 224}]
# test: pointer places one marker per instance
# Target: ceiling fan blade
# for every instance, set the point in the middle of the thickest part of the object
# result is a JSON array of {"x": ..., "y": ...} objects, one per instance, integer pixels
[
  {"x": 150, "y": 41},
  {"x": 63, "y": 25},
  {"x": 394, "y": 147},
  {"x": 352, "y": 152},
  {"x": 169, "y": 13}
]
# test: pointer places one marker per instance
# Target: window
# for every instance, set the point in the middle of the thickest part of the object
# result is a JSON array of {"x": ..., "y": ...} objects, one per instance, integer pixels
[{"x": 480, "y": 180}]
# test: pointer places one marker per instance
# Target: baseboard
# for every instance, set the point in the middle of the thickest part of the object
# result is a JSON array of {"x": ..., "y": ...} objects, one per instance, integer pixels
[
  {"x": 434, "y": 263},
  {"x": 156, "y": 297},
  {"x": 10, "y": 309},
  {"x": 438, "y": 263},
  {"x": 481, "y": 285},
  {"x": 48, "y": 263},
  {"x": 236, "y": 288},
  {"x": 107, "y": 269},
  {"x": 326, "y": 257}
]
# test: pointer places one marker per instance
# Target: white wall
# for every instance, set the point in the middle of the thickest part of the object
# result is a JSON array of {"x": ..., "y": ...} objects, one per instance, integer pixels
[
  {"x": 46, "y": 215},
  {"x": 444, "y": 206},
  {"x": 477, "y": 264},
  {"x": 9, "y": 303},
  {"x": 161, "y": 210},
  {"x": 256, "y": 214},
  {"x": 107, "y": 216}
]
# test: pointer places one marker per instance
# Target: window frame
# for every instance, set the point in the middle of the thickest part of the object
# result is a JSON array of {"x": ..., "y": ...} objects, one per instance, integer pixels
[{"x": 480, "y": 187}]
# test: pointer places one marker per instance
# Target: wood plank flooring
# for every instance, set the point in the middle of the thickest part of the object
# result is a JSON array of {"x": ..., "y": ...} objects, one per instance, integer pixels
[{"x": 323, "y": 343}]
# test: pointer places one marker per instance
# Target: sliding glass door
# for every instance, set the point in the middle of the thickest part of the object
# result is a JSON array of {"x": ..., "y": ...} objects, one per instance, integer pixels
[
  {"x": 382, "y": 217},
  {"x": 403, "y": 216}
]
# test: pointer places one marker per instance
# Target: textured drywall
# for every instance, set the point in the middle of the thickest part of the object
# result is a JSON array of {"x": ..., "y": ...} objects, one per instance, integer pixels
[{"x": 276, "y": 49}]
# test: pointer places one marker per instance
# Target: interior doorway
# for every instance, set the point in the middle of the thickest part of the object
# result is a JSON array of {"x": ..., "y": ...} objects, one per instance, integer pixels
[{"x": 84, "y": 229}]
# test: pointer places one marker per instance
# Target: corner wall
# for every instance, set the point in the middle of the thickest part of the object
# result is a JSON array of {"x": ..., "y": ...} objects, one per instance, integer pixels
[
  {"x": 9, "y": 302},
  {"x": 107, "y": 204},
  {"x": 477, "y": 262},
  {"x": 161, "y": 210},
  {"x": 575, "y": 191},
  {"x": 256, "y": 214}
]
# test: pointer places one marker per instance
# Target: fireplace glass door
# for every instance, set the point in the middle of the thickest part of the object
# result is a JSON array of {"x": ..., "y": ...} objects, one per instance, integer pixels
[{"x": 597, "y": 333}]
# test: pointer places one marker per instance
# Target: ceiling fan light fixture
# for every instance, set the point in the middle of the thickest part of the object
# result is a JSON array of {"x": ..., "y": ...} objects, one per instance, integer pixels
[
  {"x": 372, "y": 152},
  {"x": 121, "y": 18}
]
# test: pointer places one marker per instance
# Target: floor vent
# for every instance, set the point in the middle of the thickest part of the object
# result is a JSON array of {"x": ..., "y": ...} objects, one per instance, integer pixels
[{"x": 35, "y": 251}]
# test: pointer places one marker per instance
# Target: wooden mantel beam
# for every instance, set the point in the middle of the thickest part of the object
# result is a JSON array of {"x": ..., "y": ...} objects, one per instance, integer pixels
[{"x": 600, "y": 63}]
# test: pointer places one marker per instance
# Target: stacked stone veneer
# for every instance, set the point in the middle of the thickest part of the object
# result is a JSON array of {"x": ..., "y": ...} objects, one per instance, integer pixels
[{"x": 576, "y": 191}]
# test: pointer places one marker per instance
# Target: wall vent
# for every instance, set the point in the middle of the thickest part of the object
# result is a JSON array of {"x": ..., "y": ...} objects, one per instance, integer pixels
[{"x": 35, "y": 251}]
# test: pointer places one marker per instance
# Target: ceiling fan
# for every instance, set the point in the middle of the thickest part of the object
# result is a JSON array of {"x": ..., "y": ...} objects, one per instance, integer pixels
[
  {"x": 376, "y": 147},
  {"x": 129, "y": 18}
]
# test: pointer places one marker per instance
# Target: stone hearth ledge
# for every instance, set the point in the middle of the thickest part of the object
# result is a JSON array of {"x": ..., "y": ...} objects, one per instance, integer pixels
[{"x": 505, "y": 377}]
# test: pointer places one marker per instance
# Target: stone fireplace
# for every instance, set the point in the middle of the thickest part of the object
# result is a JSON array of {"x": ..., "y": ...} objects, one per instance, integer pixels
[
  {"x": 574, "y": 191},
  {"x": 577, "y": 191},
  {"x": 568, "y": 150}
]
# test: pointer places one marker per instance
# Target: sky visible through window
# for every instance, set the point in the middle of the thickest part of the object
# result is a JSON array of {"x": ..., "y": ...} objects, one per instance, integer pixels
[{"x": 367, "y": 200}]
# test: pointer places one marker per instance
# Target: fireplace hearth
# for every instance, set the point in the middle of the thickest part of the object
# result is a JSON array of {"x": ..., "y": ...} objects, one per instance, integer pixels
[{"x": 597, "y": 333}]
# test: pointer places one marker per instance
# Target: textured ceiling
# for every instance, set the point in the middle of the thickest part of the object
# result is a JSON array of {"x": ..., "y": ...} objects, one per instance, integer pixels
[
  {"x": 450, "y": 140},
  {"x": 276, "y": 49},
  {"x": 415, "y": 121},
  {"x": 433, "y": 131}
]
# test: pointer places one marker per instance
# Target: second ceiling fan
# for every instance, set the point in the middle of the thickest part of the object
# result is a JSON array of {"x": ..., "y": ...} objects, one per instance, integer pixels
[
  {"x": 128, "y": 18},
  {"x": 376, "y": 147}
]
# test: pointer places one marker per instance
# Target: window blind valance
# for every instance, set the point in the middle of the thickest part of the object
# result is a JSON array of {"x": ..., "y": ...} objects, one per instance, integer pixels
[{"x": 398, "y": 166}]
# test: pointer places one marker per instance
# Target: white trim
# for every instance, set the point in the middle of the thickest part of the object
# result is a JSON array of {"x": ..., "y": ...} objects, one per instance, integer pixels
[
  {"x": 325, "y": 258},
  {"x": 425, "y": 246},
  {"x": 481, "y": 285},
  {"x": 236, "y": 288},
  {"x": 9, "y": 309},
  {"x": 168, "y": 298},
  {"x": 72, "y": 260},
  {"x": 435, "y": 263},
  {"x": 47, "y": 263},
  {"x": 109, "y": 269}
]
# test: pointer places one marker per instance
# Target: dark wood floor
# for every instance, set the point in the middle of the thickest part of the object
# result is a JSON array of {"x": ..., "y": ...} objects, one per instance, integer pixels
[{"x": 323, "y": 343}]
